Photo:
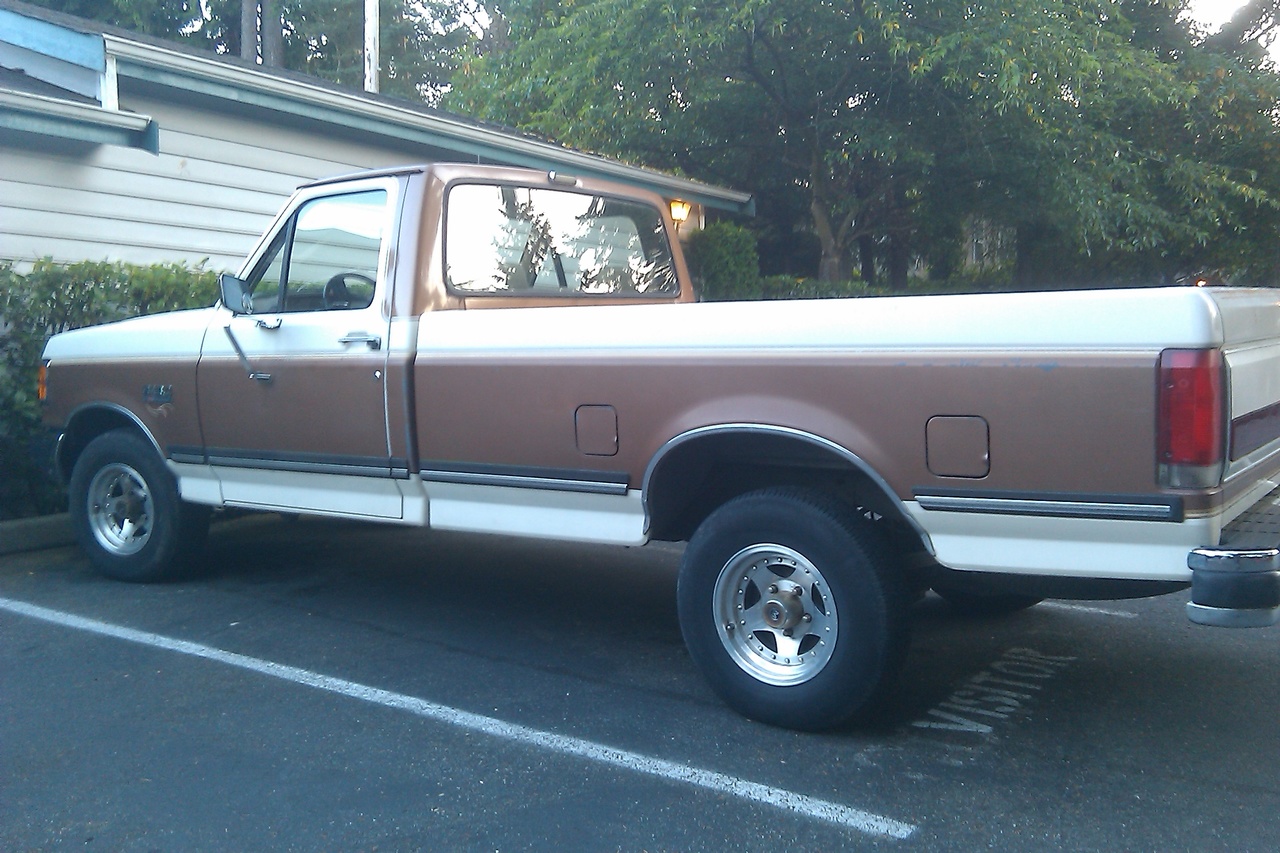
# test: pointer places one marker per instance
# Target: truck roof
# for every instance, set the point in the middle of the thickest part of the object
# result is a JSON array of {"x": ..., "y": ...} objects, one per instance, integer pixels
[{"x": 386, "y": 171}]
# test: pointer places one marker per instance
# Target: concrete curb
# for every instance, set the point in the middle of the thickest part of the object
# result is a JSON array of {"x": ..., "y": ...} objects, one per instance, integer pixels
[{"x": 34, "y": 534}]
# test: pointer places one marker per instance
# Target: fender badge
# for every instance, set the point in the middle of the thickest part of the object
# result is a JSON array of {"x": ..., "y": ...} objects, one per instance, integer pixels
[{"x": 157, "y": 395}]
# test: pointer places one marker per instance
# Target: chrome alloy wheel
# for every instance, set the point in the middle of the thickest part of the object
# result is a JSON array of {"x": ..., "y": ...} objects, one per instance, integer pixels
[
  {"x": 120, "y": 509},
  {"x": 775, "y": 614}
]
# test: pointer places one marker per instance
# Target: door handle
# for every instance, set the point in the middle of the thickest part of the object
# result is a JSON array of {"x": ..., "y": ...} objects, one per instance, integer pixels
[
  {"x": 373, "y": 341},
  {"x": 244, "y": 359}
]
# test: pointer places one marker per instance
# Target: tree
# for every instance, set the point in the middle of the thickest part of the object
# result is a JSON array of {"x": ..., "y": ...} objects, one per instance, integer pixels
[
  {"x": 716, "y": 91},
  {"x": 1092, "y": 128},
  {"x": 1159, "y": 167},
  {"x": 420, "y": 38},
  {"x": 160, "y": 18}
]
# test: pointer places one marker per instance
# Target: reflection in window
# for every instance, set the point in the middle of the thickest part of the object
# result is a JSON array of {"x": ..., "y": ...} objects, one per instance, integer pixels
[
  {"x": 326, "y": 258},
  {"x": 538, "y": 242}
]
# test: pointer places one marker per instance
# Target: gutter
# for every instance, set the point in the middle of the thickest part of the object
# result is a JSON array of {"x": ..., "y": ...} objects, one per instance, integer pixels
[{"x": 24, "y": 111}]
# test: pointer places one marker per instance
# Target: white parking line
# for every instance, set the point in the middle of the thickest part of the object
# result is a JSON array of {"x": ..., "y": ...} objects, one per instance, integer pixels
[
  {"x": 810, "y": 807},
  {"x": 1081, "y": 608}
]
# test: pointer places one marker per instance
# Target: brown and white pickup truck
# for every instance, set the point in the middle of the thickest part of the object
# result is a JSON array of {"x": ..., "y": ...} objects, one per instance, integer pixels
[{"x": 826, "y": 461}]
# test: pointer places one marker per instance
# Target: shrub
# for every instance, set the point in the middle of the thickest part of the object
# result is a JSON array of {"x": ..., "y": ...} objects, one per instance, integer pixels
[
  {"x": 790, "y": 287},
  {"x": 986, "y": 279},
  {"x": 725, "y": 265},
  {"x": 724, "y": 262},
  {"x": 53, "y": 298}
]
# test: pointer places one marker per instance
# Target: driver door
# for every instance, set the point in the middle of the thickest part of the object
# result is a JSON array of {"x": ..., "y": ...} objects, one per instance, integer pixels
[{"x": 291, "y": 381}]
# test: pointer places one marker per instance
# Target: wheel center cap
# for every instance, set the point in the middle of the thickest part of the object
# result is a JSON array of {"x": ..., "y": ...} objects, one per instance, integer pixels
[
  {"x": 783, "y": 611},
  {"x": 125, "y": 507}
]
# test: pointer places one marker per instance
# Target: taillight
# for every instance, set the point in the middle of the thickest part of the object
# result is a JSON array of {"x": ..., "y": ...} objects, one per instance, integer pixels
[
  {"x": 1191, "y": 427},
  {"x": 42, "y": 381}
]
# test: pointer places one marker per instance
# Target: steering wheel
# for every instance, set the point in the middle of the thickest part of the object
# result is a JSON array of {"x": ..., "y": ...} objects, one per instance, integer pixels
[{"x": 335, "y": 289}]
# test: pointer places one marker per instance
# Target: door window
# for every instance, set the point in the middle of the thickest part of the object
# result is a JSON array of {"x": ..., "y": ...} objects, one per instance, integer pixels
[{"x": 325, "y": 258}]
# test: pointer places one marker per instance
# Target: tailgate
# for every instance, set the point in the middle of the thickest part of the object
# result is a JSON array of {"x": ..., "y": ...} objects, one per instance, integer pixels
[{"x": 1251, "y": 347}]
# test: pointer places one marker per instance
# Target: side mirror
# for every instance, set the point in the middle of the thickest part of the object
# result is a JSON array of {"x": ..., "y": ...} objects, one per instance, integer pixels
[{"x": 234, "y": 294}]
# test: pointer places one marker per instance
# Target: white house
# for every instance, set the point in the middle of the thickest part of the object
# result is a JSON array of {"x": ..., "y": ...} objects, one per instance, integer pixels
[{"x": 115, "y": 146}]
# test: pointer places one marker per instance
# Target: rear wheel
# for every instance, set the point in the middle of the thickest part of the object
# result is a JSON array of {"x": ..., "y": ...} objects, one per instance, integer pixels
[
  {"x": 126, "y": 512},
  {"x": 791, "y": 609}
]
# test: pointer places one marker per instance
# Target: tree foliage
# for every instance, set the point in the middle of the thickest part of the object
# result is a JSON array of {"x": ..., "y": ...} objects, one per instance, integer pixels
[
  {"x": 1113, "y": 139},
  {"x": 160, "y": 18},
  {"x": 420, "y": 39}
]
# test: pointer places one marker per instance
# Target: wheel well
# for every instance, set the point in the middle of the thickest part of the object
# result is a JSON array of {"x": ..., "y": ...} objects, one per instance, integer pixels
[
  {"x": 697, "y": 475},
  {"x": 86, "y": 425}
]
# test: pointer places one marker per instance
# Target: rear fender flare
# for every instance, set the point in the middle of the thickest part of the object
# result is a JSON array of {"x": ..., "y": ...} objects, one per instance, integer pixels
[{"x": 824, "y": 445}]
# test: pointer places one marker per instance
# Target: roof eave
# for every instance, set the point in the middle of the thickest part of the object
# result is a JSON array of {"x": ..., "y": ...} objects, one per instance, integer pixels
[
  {"x": 224, "y": 80},
  {"x": 39, "y": 114}
]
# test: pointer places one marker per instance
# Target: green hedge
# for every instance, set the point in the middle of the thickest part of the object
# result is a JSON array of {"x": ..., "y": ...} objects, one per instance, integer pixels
[
  {"x": 725, "y": 263},
  {"x": 790, "y": 287},
  {"x": 53, "y": 298}
]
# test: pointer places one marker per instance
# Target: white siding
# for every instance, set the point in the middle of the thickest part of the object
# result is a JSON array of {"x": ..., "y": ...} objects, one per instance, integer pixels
[{"x": 216, "y": 184}]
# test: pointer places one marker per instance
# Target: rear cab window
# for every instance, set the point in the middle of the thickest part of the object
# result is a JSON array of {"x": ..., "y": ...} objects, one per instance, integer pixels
[{"x": 534, "y": 242}]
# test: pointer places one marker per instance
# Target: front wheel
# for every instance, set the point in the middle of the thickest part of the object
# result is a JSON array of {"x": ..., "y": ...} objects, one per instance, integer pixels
[
  {"x": 127, "y": 514},
  {"x": 790, "y": 608}
]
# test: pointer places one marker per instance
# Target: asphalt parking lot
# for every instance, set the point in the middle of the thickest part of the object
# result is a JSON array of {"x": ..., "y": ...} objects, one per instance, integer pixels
[{"x": 346, "y": 687}]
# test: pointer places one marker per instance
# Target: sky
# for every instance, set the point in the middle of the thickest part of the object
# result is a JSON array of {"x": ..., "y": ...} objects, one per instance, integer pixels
[{"x": 1213, "y": 13}]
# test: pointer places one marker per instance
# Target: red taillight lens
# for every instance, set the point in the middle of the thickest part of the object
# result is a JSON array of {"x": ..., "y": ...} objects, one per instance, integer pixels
[
  {"x": 42, "y": 382},
  {"x": 1191, "y": 431}
]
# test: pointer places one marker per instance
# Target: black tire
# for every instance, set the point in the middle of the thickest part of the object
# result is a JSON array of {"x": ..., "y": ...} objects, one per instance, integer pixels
[
  {"x": 985, "y": 604},
  {"x": 126, "y": 512},
  {"x": 783, "y": 560}
]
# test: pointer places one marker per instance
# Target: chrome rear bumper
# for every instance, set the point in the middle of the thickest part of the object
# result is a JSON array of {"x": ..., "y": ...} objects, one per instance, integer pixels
[
  {"x": 1236, "y": 584},
  {"x": 1234, "y": 588}
]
